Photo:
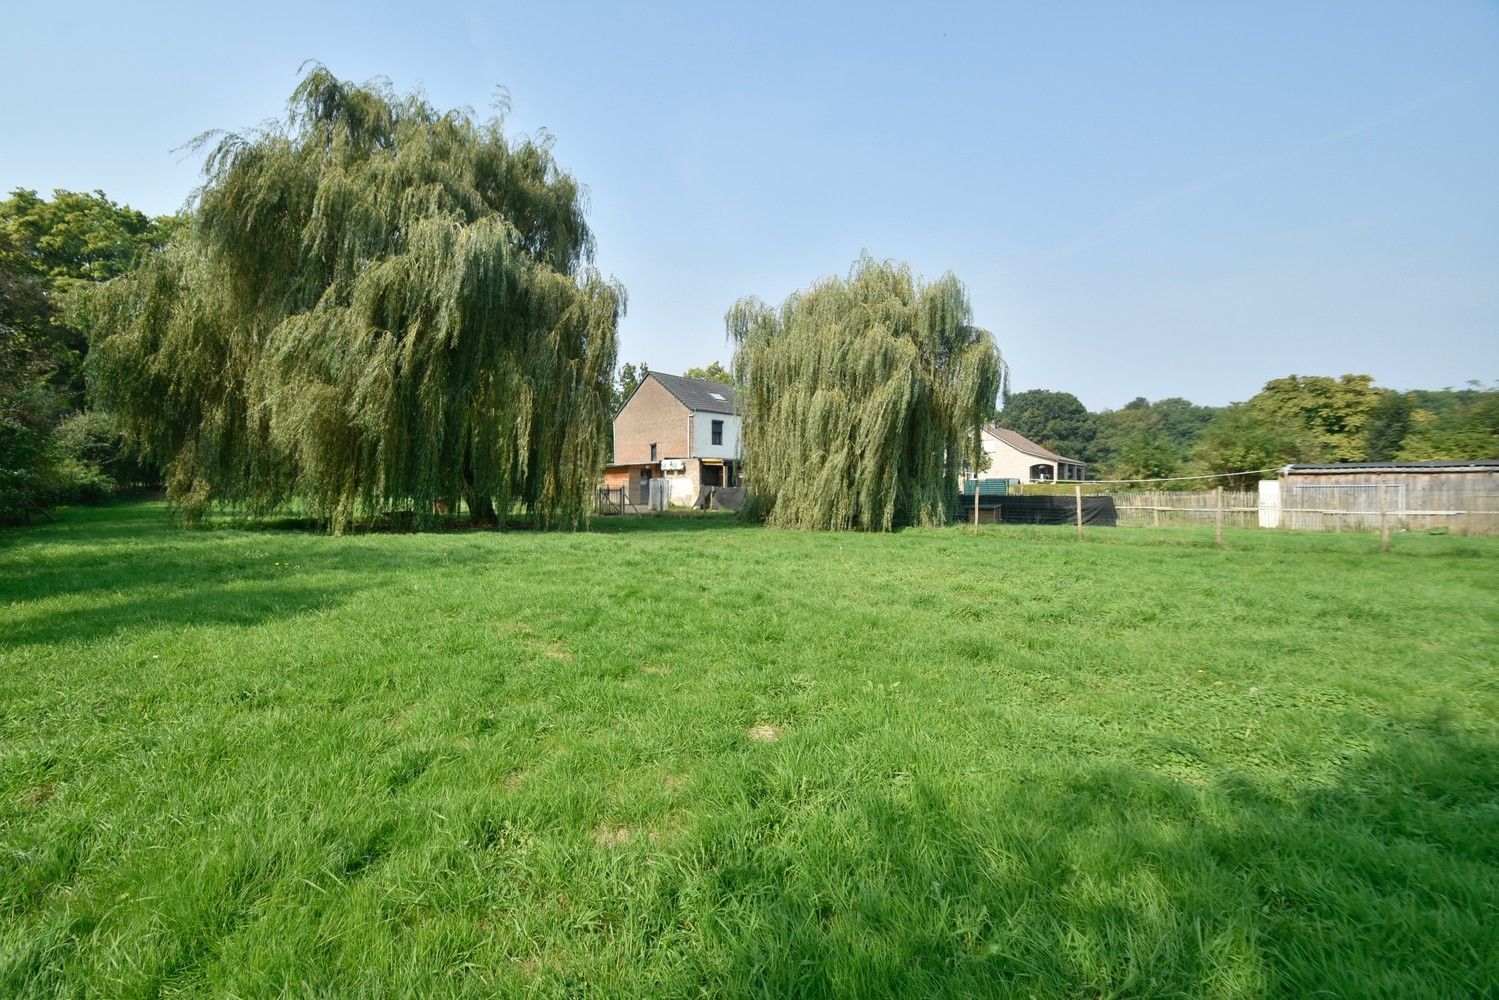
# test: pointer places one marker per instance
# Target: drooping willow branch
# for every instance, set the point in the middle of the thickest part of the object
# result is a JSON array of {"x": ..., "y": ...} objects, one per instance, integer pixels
[
  {"x": 863, "y": 398},
  {"x": 376, "y": 305}
]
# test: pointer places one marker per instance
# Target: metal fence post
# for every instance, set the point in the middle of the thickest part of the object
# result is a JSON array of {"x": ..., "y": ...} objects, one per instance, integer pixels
[{"x": 1078, "y": 494}]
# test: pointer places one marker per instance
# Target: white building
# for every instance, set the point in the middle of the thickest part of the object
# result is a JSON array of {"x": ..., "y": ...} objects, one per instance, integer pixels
[{"x": 1012, "y": 456}]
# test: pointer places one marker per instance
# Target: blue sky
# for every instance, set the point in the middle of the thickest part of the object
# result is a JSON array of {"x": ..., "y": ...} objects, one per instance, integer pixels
[{"x": 1143, "y": 199}]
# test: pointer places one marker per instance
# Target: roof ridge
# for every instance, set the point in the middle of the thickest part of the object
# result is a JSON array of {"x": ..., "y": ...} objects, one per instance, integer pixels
[
  {"x": 700, "y": 395},
  {"x": 1028, "y": 447}
]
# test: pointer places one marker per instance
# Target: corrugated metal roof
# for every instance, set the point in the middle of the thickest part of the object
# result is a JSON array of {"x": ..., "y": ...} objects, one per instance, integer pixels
[
  {"x": 1026, "y": 446},
  {"x": 1481, "y": 465},
  {"x": 700, "y": 394}
]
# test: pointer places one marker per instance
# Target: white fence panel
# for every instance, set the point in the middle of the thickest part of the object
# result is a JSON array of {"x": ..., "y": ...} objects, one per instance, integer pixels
[{"x": 1269, "y": 503}]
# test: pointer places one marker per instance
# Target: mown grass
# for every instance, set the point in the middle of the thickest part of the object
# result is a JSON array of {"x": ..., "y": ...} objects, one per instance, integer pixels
[{"x": 680, "y": 757}]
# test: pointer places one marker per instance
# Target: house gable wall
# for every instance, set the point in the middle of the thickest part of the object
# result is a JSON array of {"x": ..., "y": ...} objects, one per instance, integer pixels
[
  {"x": 1009, "y": 462},
  {"x": 651, "y": 414},
  {"x": 1006, "y": 462}
]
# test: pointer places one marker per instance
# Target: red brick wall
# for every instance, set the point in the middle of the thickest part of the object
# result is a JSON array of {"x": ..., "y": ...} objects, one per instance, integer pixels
[
  {"x": 615, "y": 478},
  {"x": 652, "y": 414}
]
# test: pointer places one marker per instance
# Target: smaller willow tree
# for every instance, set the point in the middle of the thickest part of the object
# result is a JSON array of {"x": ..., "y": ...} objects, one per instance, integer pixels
[
  {"x": 863, "y": 398},
  {"x": 375, "y": 305}
]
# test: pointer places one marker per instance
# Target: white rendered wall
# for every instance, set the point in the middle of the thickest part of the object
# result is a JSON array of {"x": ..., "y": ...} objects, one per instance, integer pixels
[
  {"x": 1007, "y": 463},
  {"x": 702, "y": 436}
]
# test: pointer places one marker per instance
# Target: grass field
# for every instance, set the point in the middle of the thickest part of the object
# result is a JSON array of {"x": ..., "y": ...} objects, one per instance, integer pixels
[{"x": 680, "y": 757}]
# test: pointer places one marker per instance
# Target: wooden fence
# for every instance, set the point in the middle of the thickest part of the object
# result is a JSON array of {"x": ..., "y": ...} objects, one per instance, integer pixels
[
  {"x": 1317, "y": 508},
  {"x": 1164, "y": 509},
  {"x": 1466, "y": 507}
]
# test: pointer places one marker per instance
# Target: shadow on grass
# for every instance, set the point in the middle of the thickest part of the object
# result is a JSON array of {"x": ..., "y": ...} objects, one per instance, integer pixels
[
  {"x": 671, "y": 522},
  {"x": 124, "y": 567},
  {"x": 1123, "y": 882},
  {"x": 202, "y": 606},
  {"x": 133, "y": 567}
]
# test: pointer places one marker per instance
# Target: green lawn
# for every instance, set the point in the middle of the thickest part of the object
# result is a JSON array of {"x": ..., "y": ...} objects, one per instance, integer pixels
[{"x": 682, "y": 756}]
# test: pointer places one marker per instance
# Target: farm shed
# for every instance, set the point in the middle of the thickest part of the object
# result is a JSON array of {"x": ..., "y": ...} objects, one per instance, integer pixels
[{"x": 1463, "y": 496}]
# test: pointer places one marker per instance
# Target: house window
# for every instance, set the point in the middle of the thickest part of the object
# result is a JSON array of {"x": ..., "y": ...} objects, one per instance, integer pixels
[
  {"x": 653, "y": 451},
  {"x": 718, "y": 432}
]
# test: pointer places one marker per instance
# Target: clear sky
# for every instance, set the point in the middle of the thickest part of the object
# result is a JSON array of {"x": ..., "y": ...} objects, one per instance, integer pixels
[{"x": 1143, "y": 199}]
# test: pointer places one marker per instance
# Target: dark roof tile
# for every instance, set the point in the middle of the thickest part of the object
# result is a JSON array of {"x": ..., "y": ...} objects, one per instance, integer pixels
[{"x": 699, "y": 394}]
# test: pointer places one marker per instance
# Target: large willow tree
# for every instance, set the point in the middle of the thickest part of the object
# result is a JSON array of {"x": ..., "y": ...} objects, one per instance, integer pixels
[
  {"x": 863, "y": 398},
  {"x": 376, "y": 306}
]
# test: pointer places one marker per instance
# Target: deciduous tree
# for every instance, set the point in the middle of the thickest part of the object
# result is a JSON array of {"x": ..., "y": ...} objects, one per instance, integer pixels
[
  {"x": 1147, "y": 454},
  {"x": 1055, "y": 420},
  {"x": 1388, "y": 424},
  {"x": 66, "y": 242},
  {"x": 627, "y": 380},
  {"x": 375, "y": 304},
  {"x": 1469, "y": 430},
  {"x": 713, "y": 372},
  {"x": 1243, "y": 438},
  {"x": 863, "y": 398},
  {"x": 1334, "y": 413}
]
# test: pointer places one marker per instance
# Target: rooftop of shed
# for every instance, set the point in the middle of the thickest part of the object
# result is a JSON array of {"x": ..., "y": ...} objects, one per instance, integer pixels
[{"x": 1477, "y": 465}]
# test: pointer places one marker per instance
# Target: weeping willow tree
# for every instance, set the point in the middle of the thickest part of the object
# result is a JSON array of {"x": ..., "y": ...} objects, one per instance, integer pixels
[
  {"x": 375, "y": 306},
  {"x": 863, "y": 398}
]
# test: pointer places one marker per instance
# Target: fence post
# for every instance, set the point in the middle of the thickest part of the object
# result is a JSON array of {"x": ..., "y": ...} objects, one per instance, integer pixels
[
  {"x": 1156, "y": 512},
  {"x": 1384, "y": 520},
  {"x": 975, "y": 503},
  {"x": 1218, "y": 519},
  {"x": 1078, "y": 493}
]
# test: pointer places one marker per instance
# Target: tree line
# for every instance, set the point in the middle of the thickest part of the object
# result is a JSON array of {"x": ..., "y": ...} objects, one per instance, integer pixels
[
  {"x": 1295, "y": 419},
  {"x": 53, "y": 447}
]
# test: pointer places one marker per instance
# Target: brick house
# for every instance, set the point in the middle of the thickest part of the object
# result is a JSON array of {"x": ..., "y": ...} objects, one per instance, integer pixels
[{"x": 683, "y": 430}]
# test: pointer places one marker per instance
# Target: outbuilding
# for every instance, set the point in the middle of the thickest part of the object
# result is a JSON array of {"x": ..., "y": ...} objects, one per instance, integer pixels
[{"x": 1461, "y": 495}]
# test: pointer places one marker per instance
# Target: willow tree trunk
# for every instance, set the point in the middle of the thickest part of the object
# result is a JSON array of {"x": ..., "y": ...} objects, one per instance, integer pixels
[{"x": 480, "y": 508}]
